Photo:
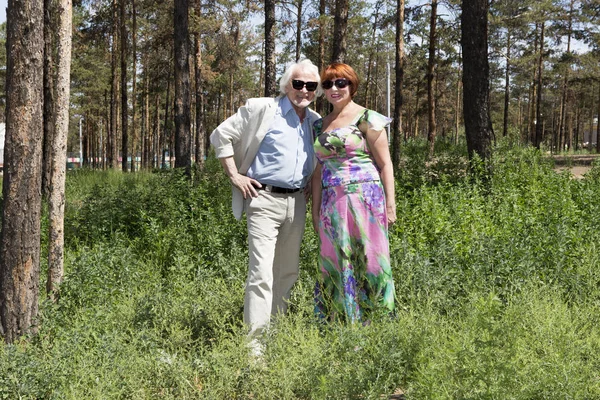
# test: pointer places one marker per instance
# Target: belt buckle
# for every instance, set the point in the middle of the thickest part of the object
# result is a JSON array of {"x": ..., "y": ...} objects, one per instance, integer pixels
[{"x": 268, "y": 188}]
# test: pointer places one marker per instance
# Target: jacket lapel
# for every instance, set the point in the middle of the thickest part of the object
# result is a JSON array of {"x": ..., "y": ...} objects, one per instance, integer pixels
[{"x": 264, "y": 122}]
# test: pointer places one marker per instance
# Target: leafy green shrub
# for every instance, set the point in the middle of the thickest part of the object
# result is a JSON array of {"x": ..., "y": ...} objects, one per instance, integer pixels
[{"x": 497, "y": 285}]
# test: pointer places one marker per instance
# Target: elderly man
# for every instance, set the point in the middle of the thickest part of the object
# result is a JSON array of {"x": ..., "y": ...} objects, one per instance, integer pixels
[{"x": 266, "y": 149}]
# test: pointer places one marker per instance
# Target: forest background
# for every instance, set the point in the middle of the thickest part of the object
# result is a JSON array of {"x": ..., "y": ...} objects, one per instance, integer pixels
[
  {"x": 495, "y": 260},
  {"x": 543, "y": 60}
]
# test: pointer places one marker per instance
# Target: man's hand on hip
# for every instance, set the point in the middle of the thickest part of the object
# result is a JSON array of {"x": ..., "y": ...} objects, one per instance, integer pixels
[{"x": 246, "y": 185}]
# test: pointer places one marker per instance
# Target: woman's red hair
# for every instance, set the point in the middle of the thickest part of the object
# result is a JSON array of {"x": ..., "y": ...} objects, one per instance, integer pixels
[{"x": 341, "y": 70}]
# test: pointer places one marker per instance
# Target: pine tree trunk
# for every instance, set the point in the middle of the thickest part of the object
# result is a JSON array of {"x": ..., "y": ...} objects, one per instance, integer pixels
[
  {"x": 378, "y": 63},
  {"x": 539, "y": 127},
  {"x": 476, "y": 109},
  {"x": 200, "y": 132},
  {"x": 432, "y": 132},
  {"x": 299, "y": 4},
  {"x": 113, "y": 156},
  {"x": 506, "y": 83},
  {"x": 321, "y": 54},
  {"x": 124, "y": 86},
  {"x": 270, "y": 82},
  {"x": 94, "y": 144},
  {"x": 146, "y": 132},
  {"x": 56, "y": 209},
  {"x": 105, "y": 145},
  {"x": 578, "y": 122},
  {"x": 566, "y": 133},
  {"x": 398, "y": 99},
  {"x": 21, "y": 212},
  {"x": 166, "y": 138},
  {"x": 415, "y": 130},
  {"x": 157, "y": 148},
  {"x": 457, "y": 108},
  {"x": 533, "y": 92},
  {"x": 183, "y": 138},
  {"x": 134, "y": 139},
  {"x": 49, "y": 95},
  {"x": 85, "y": 143},
  {"x": 340, "y": 26}
]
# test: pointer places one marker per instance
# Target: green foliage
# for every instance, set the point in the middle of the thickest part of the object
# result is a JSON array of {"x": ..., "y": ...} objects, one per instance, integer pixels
[
  {"x": 497, "y": 286},
  {"x": 448, "y": 166}
]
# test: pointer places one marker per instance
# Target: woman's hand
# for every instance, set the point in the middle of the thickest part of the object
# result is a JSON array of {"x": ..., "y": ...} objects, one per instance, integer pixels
[
  {"x": 390, "y": 211},
  {"x": 308, "y": 192}
]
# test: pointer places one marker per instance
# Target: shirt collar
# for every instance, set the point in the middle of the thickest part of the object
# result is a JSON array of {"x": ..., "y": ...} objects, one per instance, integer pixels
[{"x": 285, "y": 105}]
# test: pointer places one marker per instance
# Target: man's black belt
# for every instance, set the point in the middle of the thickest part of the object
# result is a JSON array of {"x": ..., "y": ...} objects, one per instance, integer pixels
[{"x": 277, "y": 189}]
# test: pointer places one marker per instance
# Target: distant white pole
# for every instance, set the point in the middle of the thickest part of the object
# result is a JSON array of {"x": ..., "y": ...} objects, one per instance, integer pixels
[
  {"x": 80, "y": 144},
  {"x": 389, "y": 96}
]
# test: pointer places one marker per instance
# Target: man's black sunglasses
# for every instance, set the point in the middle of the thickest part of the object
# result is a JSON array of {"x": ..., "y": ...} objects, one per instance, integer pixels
[
  {"x": 339, "y": 83},
  {"x": 310, "y": 86}
]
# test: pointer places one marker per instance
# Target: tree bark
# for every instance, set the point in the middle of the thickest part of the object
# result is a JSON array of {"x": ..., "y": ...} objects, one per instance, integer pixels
[
  {"x": 58, "y": 153},
  {"x": 398, "y": 99},
  {"x": 340, "y": 26},
  {"x": 113, "y": 156},
  {"x": 507, "y": 82},
  {"x": 565, "y": 134},
  {"x": 476, "y": 108},
  {"x": 21, "y": 212},
  {"x": 432, "y": 132},
  {"x": 166, "y": 135},
  {"x": 539, "y": 127},
  {"x": 134, "y": 140},
  {"x": 457, "y": 108},
  {"x": 578, "y": 124},
  {"x": 299, "y": 4},
  {"x": 124, "y": 100},
  {"x": 146, "y": 131},
  {"x": 270, "y": 82},
  {"x": 533, "y": 92},
  {"x": 183, "y": 139},
  {"x": 49, "y": 95},
  {"x": 321, "y": 57},
  {"x": 157, "y": 153},
  {"x": 200, "y": 131}
]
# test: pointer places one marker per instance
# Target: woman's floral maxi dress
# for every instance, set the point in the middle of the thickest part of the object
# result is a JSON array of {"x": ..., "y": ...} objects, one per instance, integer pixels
[{"x": 356, "y": 276}]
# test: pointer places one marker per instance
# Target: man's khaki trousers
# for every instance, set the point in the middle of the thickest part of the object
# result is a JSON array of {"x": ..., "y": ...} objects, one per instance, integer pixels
[{"x": 275, "y": 229}]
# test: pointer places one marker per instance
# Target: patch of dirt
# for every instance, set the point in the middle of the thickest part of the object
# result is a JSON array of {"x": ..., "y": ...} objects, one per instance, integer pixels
[
  {"x": 577, "y": 164},
  {"x": 577, "y": 171}
]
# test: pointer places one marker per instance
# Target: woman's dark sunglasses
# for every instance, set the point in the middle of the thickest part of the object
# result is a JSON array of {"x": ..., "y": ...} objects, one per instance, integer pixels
[
  {"x": 339, "y": 83},
  {"x": 310, "y": 86}
]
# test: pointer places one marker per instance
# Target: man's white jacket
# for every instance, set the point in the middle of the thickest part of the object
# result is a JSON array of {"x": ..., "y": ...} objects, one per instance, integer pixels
[{"x": 241, "y": 134}]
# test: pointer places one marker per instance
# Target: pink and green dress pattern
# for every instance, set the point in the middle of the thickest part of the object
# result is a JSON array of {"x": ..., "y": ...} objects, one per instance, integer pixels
[{"x": 356, "y": 276}]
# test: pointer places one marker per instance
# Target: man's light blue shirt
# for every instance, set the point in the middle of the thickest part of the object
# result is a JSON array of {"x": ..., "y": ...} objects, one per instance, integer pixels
[{"x": 285, "y": 157}]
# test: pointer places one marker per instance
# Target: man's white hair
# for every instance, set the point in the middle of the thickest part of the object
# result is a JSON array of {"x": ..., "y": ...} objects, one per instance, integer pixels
[{"x": 304, "y": 65}]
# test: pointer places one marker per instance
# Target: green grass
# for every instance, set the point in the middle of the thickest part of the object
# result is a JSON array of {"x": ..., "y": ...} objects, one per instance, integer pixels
[{"x": 498, "y": 287}]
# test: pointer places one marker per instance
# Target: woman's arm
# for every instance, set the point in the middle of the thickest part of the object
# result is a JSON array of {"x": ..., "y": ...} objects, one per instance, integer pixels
[
  {"x": 315, "y": 183},
  {"x": 378, "y": 144}
]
